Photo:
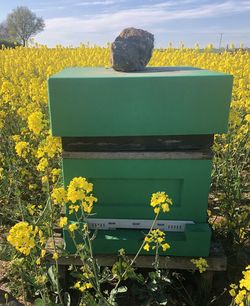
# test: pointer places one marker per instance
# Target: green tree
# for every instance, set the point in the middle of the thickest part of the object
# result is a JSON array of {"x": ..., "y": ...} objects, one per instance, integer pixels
[
  {"x": 4, "y": 35},
  {"x": 22, "y": 24}
]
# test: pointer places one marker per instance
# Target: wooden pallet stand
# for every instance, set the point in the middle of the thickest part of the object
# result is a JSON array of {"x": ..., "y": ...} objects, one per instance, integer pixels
[{"x": 217, "y": 260}]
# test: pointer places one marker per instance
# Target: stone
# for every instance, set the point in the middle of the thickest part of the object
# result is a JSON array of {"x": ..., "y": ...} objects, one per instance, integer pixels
[{"x": 132, "y": 50}]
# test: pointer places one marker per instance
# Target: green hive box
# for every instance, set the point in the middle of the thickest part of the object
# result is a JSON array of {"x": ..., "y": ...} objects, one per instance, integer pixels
[
  {"x": 160, "y": 101},
  {"x": 124, "y": 187},
  {"x": 99, "y": 102}
]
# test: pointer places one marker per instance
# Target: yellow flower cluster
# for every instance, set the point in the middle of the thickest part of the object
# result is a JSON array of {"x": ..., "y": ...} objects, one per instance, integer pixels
[
  {"x": 83, "y": 286},
  {"x": 155, "y": 239},
  {"x": 35, "y": 122},
  {"x": 62, "y": 222},
  {"x": 22, "y": 148},
  {"x": 41, "y": 279},
  {"x": 201, "y": 264},
  {"x": 59, "y": 196},
  {"x": 79, "y": 190},
  {"x": 22, "y": 237},
  {"x": 43, "y": 164},
  {"x": 72, "y": 227},
  {"x": 242, "y": 297},
  {"x": 160, "y": 201},
  {"x": 78, "y": 193}
]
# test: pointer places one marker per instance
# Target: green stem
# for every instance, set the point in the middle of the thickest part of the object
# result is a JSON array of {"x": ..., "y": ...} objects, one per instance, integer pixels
[
  {"x": 54, "y": 243},
  {"x": 138, "y": 252}
]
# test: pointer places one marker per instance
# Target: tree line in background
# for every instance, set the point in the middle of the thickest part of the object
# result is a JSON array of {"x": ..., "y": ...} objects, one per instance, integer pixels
[{"x": 20, "y": 25}]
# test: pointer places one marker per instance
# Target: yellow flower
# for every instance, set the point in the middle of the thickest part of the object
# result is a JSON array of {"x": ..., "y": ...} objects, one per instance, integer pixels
[
  {"x": 241, "y": 293},
  {"x": 55, "y": 256},
  {"x": 35, "y": 122},
  {"x": 201, "y": 264},
  {"x": 156, "y": 238},
  {"x": 82, "y": 286},
  {"x": 44, "y": 180},
  {"x": 78, "y": 189},
  {"x": 31, "y": 209},
  {"x": 77, "y": 285},
  {"x": 55, "y": 173},
  {"x": 72, "y": 227},
  {"x": 63, "y": 221},
  {"x": 165, "y": 246},
  {"x": 22, "y": 149},
  {"x": 73, "y": 208},
  {"x": 43, "y": 164},
  {"x": 160, "y": 201},
  {"x": 41, "y": 279},
  {"x": 43, "y": 252},
  {"x": 22, "y": 237},
  {"x": 59, "y": 196}
]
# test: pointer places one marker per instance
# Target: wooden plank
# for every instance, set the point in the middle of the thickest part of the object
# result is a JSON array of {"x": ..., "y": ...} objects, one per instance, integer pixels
[
  {"x": 217, "y": 260},
  {"x": 206, "y": 154},
  {"x": 137, "y": 143}
]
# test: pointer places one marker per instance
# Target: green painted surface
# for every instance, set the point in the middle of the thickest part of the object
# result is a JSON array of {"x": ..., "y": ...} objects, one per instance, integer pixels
[
  {"x": 195, "y": 241},
  {"x": 163, "y": 101},
  {"x": 124, "y": 187}
]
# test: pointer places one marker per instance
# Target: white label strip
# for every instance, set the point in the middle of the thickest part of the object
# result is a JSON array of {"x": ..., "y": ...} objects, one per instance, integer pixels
[{"x": 112, "y": 224}]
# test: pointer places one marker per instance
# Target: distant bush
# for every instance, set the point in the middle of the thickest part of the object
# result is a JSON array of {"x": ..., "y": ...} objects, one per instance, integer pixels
[{"x": 8, "y": 44}]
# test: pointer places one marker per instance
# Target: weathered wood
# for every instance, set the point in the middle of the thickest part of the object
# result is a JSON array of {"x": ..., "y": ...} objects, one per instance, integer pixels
[
  {"x": 137, "y": 143},
  {"x": 206, "y": 154},
  {"x": 217, "y": 260}
]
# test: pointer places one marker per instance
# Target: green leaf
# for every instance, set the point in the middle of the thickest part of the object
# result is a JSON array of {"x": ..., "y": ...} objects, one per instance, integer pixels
[
  {"x": 67, "y": 299},
  {"x": 52, "y": 277},
  {"x": 39, "y": 302}
]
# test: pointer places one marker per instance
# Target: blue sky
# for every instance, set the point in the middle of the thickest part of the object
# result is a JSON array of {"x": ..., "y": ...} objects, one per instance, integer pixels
[{"x": 100, "y": 21}]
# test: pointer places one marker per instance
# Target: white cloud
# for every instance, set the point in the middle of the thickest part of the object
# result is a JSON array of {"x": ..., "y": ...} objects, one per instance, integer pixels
[
  {"x": 150, "y": 17},
  {"x": 89, "y": 3}
]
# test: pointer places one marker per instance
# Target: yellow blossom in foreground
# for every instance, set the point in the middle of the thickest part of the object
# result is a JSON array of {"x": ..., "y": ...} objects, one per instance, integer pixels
[
  {"x": 73, "y": 208},
  {"x": 160, "y": 201},
  {"x": 83, "y": 286},
  {"x": 88, "y": 203},
  {"x": 154, "y": 240},
  {"x": 201, "y": 264},
  {"x": 72, "y": 227},
  {"x": 22, "y": 237},
  {"x": 63, "y": 221},
  {"x": 241, "y": 293},
  {"x": 78, "y": 189}
]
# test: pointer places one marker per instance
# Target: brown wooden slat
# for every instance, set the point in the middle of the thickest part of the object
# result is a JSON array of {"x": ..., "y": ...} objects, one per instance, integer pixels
[
  {"x": 137, "y": 143},
  {"x": 140, "y": 155}
]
